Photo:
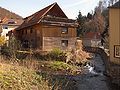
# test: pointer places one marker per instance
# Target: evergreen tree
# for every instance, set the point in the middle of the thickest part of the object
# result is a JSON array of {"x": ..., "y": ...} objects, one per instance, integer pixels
[
  {"x": 81, "y": 21},
  {"x": 89, "y": 16}
]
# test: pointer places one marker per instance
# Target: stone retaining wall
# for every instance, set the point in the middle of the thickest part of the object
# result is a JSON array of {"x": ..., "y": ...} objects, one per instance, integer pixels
[
  {"x": 103, "y": 55},
  {"x": 112, "y": 70}
]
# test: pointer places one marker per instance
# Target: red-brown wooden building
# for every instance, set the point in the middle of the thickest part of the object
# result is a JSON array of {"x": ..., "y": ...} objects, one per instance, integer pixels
[{"x": 47, "y": 29}]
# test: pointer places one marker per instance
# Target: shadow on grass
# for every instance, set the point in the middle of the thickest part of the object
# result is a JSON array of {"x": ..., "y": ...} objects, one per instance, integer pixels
[{"x": 60, "y": 82}]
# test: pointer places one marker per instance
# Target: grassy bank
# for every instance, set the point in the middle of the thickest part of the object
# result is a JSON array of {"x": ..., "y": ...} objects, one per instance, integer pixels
[
  {"x": 20, "y": 78},
  {"x": 48, "y": 75}
]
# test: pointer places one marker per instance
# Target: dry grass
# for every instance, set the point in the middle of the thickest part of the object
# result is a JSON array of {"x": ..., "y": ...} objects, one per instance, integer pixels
[{"x": 20, "y": 78}]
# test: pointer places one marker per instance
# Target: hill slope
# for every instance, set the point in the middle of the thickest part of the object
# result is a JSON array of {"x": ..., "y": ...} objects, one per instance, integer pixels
[{"x": 6, "y": 13}]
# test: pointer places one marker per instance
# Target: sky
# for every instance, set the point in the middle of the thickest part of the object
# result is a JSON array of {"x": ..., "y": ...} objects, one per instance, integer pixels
[{"x": 71, "y": 8}]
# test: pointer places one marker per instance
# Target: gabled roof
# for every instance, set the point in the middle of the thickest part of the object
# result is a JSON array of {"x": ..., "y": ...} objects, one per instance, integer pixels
[
  {"x": 38, "y": 16},
  {"x": 116, "y": 5},
  {"x": 12, "y": 22}
]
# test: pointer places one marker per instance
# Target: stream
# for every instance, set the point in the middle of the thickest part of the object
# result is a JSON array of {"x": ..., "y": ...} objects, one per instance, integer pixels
[{"x": 93, "y": 77}]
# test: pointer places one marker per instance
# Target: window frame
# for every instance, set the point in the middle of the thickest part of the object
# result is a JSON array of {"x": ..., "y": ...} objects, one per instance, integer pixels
[
  {"x": 5, "y": 27},
  {"x": 65, "y": 42},
  {"x": 117, "y": 51},
  {"x": 26, "y": 31},
  {"x": 64, "y": 30},
  {"x": 31, "y": 30}
]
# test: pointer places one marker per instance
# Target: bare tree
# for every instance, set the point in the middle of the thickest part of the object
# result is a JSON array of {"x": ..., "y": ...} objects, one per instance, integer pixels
[
  {"x": 98, "y": 18},
  {"x": 110, "y": 2}
]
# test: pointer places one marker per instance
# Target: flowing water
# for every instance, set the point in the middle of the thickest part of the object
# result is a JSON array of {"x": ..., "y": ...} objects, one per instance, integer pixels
[{"x": 93, "y": 77}]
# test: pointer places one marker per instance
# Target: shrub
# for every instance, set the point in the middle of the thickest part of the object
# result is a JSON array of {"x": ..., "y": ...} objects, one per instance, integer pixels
[
  {"x": 2, "y": 40},
  {"x": 77, "y": 57},
  {"x": 57, "y": 54},
  {"x": 10, "y": 54},
  {"x": 21, "y": 55},
  {"x": 40, "y": 55},
  {"x": 57, "y": 65},
  {"x": 62, "y": 66},
  {"x": 5, "y": 51}
]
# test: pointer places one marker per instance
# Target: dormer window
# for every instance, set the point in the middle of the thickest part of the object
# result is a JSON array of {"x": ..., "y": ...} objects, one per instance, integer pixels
[
  {"x": 11, "y": 22},
  {"x": 64, "y": 30}
]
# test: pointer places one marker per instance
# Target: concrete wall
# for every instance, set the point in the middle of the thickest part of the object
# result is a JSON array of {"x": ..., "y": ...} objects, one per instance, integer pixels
[
  {"x": 5, "y": 31},
  {"x": 91, "y": 42}
]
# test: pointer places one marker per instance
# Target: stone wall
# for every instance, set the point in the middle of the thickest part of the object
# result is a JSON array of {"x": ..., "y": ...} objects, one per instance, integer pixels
[
  {"x": 102, "y": 53},
  {"x": 112, "y": 70}
]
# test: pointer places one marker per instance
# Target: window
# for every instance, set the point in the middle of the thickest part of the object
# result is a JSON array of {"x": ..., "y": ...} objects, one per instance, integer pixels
[
  {"x": 5, "y": 27},
  {"x": 11, "y": 21},
  {"x": 25, "y": 44},
  {"x": 25, "y": 31},
  {"x": 64, "y": 43},
  {"x": 22, "y": 32},
  {"x": 64, "y": 30},
  {"x": 31, "y": 43},
  {"x": 31, "y": 30},
  {"x": 117, "y": 51}
]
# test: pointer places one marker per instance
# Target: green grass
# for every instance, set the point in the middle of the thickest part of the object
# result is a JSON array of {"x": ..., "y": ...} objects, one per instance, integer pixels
[
  {"x": 62, "y": 66},
  {"x": 20, "y": 78}
]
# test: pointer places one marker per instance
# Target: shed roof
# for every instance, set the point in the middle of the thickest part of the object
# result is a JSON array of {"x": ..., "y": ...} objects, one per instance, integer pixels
[{"x": 11, "y": 22}]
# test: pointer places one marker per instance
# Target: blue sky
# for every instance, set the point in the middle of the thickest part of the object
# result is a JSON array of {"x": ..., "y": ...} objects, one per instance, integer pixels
[{"x": 27, "y": 7}]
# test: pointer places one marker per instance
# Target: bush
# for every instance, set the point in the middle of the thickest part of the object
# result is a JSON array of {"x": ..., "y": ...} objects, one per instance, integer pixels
[
  {"x": 57, "y": 65},
  {"x": 57, "y": 54},
  {"x": 21, "y": 55},
  {"x": 77, "y": 57},
  {"x": 2, "y": 40},
  {"x": 8, "y": 53},
  {"x": 5, "y": 51},
  {"x": 62, "y": 66},
  {"x": 40, "y": 56}
]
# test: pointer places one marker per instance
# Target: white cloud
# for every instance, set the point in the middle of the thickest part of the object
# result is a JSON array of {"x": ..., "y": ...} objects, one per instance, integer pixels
[
  {"x": 78, "y": 2},
  {"x": 84, "y": 6}
]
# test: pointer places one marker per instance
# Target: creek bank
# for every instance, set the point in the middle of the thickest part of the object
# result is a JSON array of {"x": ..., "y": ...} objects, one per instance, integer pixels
[{"x": 91, "y": 78}]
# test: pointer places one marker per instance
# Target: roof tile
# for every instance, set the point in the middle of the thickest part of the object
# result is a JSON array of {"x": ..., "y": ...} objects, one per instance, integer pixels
[{"x": 34, "y": 18}]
